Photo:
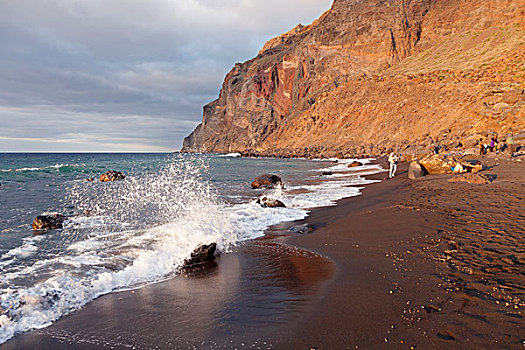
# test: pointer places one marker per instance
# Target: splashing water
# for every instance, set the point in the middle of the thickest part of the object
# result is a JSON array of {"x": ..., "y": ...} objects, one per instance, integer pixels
[
  {"x": 128, "y": 233},
  {"x": 139, "y": 230}
]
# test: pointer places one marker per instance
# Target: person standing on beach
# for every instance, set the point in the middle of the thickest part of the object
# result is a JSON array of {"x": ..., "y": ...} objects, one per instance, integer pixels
[
  {"x": 511, "y": 144},
  {"x": 482, "y": 147},
  {"x": 492, "y": 144},
  {"x": 392, "y": 159}
]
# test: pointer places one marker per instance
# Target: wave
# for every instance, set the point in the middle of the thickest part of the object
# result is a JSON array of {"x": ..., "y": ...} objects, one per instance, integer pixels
[
  {"x": 139, "y": 231},
  {"x": 233, "y": 155},
  {"x": 57, "y": 167}
]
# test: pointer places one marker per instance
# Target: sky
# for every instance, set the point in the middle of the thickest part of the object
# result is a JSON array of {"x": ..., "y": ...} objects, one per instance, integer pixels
[{"x": 124, "y": 75}]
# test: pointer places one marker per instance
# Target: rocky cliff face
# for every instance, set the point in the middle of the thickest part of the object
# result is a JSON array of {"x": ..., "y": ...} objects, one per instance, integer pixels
[{"x": 370, "y": 75}]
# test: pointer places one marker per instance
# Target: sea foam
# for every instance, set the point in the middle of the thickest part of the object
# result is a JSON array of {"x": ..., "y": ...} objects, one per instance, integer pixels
[{"x": 138, "y": 231}]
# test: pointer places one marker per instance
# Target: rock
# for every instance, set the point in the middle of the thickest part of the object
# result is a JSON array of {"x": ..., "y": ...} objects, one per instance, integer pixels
[
  {"x": 415, "y": 170},
  {"x": 355, "y": 164},
  {"x": 266, "y": 202},
  {"x": 513, "y": 96},
  {"x": 202, "y": 254},
  {"x": 90, "y": 179},
  {"x": 302, "y": 229},
  {"x": 431, "y": 308},
  {"x": 112, "y": 175},
  {"x": 327, "y": 173},
  {"x": 476, "y": 168},
  {"x": 438, "y": 164},
  {"x": 267, "y": 181},
  {"x": 446, "y": 335},
  {"x": 472, "y": 178},
  {"x": 49, "y": 222}
]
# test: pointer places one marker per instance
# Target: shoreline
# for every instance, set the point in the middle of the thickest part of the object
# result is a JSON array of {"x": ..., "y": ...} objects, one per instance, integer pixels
[{"x": 382, "y": 287}]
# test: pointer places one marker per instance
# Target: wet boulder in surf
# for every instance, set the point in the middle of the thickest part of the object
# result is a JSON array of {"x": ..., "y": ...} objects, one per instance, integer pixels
[
  {"x": 49, "y": 222},
  {"x": 266, "y": 202},
  {"x": 302, "y": 229},
  {"x": 354, "y": 164},
  {"x": 267, "y": 181},
  {"x": 202, "y": 254},
  {"x": 112, "y": 175}
]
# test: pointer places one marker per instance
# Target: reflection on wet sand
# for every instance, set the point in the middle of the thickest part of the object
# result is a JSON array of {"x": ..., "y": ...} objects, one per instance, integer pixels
[{"x": 246, "y": 298}]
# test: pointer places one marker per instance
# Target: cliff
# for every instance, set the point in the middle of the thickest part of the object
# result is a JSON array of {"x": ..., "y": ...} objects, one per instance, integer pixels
[{"x": 372, "y": 75}]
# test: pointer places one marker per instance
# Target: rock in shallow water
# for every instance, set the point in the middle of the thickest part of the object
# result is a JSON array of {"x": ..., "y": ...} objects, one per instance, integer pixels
[
  {"x": 267, "y": 181},
  {"x": 266, "y": 202},
  {"x": 355, "y": 164},
  {"x": 302, "y": 229},
  {"x": 112, "y": 175},
  {"x": 202, "y": 254},
  {"x": 49, "y": 222}
]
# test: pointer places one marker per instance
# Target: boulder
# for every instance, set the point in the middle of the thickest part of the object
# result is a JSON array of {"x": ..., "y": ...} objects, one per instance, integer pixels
[
  {"x": 473, "y": 178},
  {"x": 266, "y": 202},
  {"x": 202, "y": 254},
  {"x": 415, "y": 170},
  {"x": 302, "y": 229},
  {"x": 112, "y": 175},
  {"x": 438, "y": 164},
  {"x": 354, "y": 164},
  {"x": 49, "y": 222},
  {"x": 327, "y": 173},
  {"x": 267, "y": 181}
]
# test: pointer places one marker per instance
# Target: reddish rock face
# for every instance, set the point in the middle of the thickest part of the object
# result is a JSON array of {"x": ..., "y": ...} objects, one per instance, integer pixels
[{"x": 370, "y": 75}]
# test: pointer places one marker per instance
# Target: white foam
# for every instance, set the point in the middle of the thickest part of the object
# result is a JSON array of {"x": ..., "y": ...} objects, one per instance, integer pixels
[
  {"x": 56, "y": 166},
  {"x": 233, "y": 155},
  {"x": 122, "y": 252}
]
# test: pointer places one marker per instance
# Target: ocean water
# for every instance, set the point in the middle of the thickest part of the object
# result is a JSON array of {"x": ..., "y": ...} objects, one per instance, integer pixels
[{"x": 125, "y": 234}]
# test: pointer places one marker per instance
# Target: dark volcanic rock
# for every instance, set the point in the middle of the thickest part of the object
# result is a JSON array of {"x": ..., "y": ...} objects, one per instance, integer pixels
[
  {"x": 327, "y": 173},
  {"x": 202, "y": 254},
  {"x": 49, "y": 222},
  {"x": 266, "y": 202},
  {"x": 302, "y": 229},
  {"x": 267, "y": 181},
  {"x": 112, "y": 175}
]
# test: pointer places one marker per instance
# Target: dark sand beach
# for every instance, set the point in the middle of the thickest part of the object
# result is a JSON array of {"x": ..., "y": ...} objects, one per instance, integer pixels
[{"x": 408, "y": 264}]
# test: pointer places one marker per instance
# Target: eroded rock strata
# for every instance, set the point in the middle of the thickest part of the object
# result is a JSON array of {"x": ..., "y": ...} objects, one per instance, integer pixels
[{"x": 373, "y": 75}]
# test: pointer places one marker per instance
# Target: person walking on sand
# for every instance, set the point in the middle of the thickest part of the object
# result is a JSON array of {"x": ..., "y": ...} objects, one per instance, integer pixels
[{"x": 392, "y": 159}]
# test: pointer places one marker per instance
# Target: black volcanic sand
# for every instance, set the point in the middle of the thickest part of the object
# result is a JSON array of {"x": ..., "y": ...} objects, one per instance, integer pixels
[{"x": 409, "y": 264}]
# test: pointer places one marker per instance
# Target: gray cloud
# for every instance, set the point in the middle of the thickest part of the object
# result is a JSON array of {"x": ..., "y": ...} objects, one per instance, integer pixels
[{"x": 124, "y": 75}]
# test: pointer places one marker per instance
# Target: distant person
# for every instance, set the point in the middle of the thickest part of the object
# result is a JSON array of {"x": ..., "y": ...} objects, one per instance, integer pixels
[
  {"x": 511, "y": 144},
  {"x": 482, "y": 147},
  {"x": 492, "y": 144},
  {"x": 458, "y": 169},
  {"x": 392, "y": 159}
]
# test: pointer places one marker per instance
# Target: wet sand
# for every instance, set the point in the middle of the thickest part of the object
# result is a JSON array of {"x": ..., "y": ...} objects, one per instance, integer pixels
[{"x": 408, "y": 264}]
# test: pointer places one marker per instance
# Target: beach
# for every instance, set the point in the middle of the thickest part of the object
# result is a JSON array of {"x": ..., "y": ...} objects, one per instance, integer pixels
[{"x": 408, "y": 264}]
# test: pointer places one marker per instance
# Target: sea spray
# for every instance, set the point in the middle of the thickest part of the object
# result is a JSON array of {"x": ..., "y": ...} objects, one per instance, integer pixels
[
  {"x": 141, "y": 230},
  {"x": 124, "y": 234}
]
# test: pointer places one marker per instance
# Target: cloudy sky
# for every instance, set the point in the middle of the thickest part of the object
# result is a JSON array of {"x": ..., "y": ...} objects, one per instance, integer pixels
[{"x": 124, "y": 75}]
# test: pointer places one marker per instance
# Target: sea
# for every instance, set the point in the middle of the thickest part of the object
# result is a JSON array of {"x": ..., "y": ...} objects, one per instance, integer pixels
[{"x": 126, "y": 234}]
